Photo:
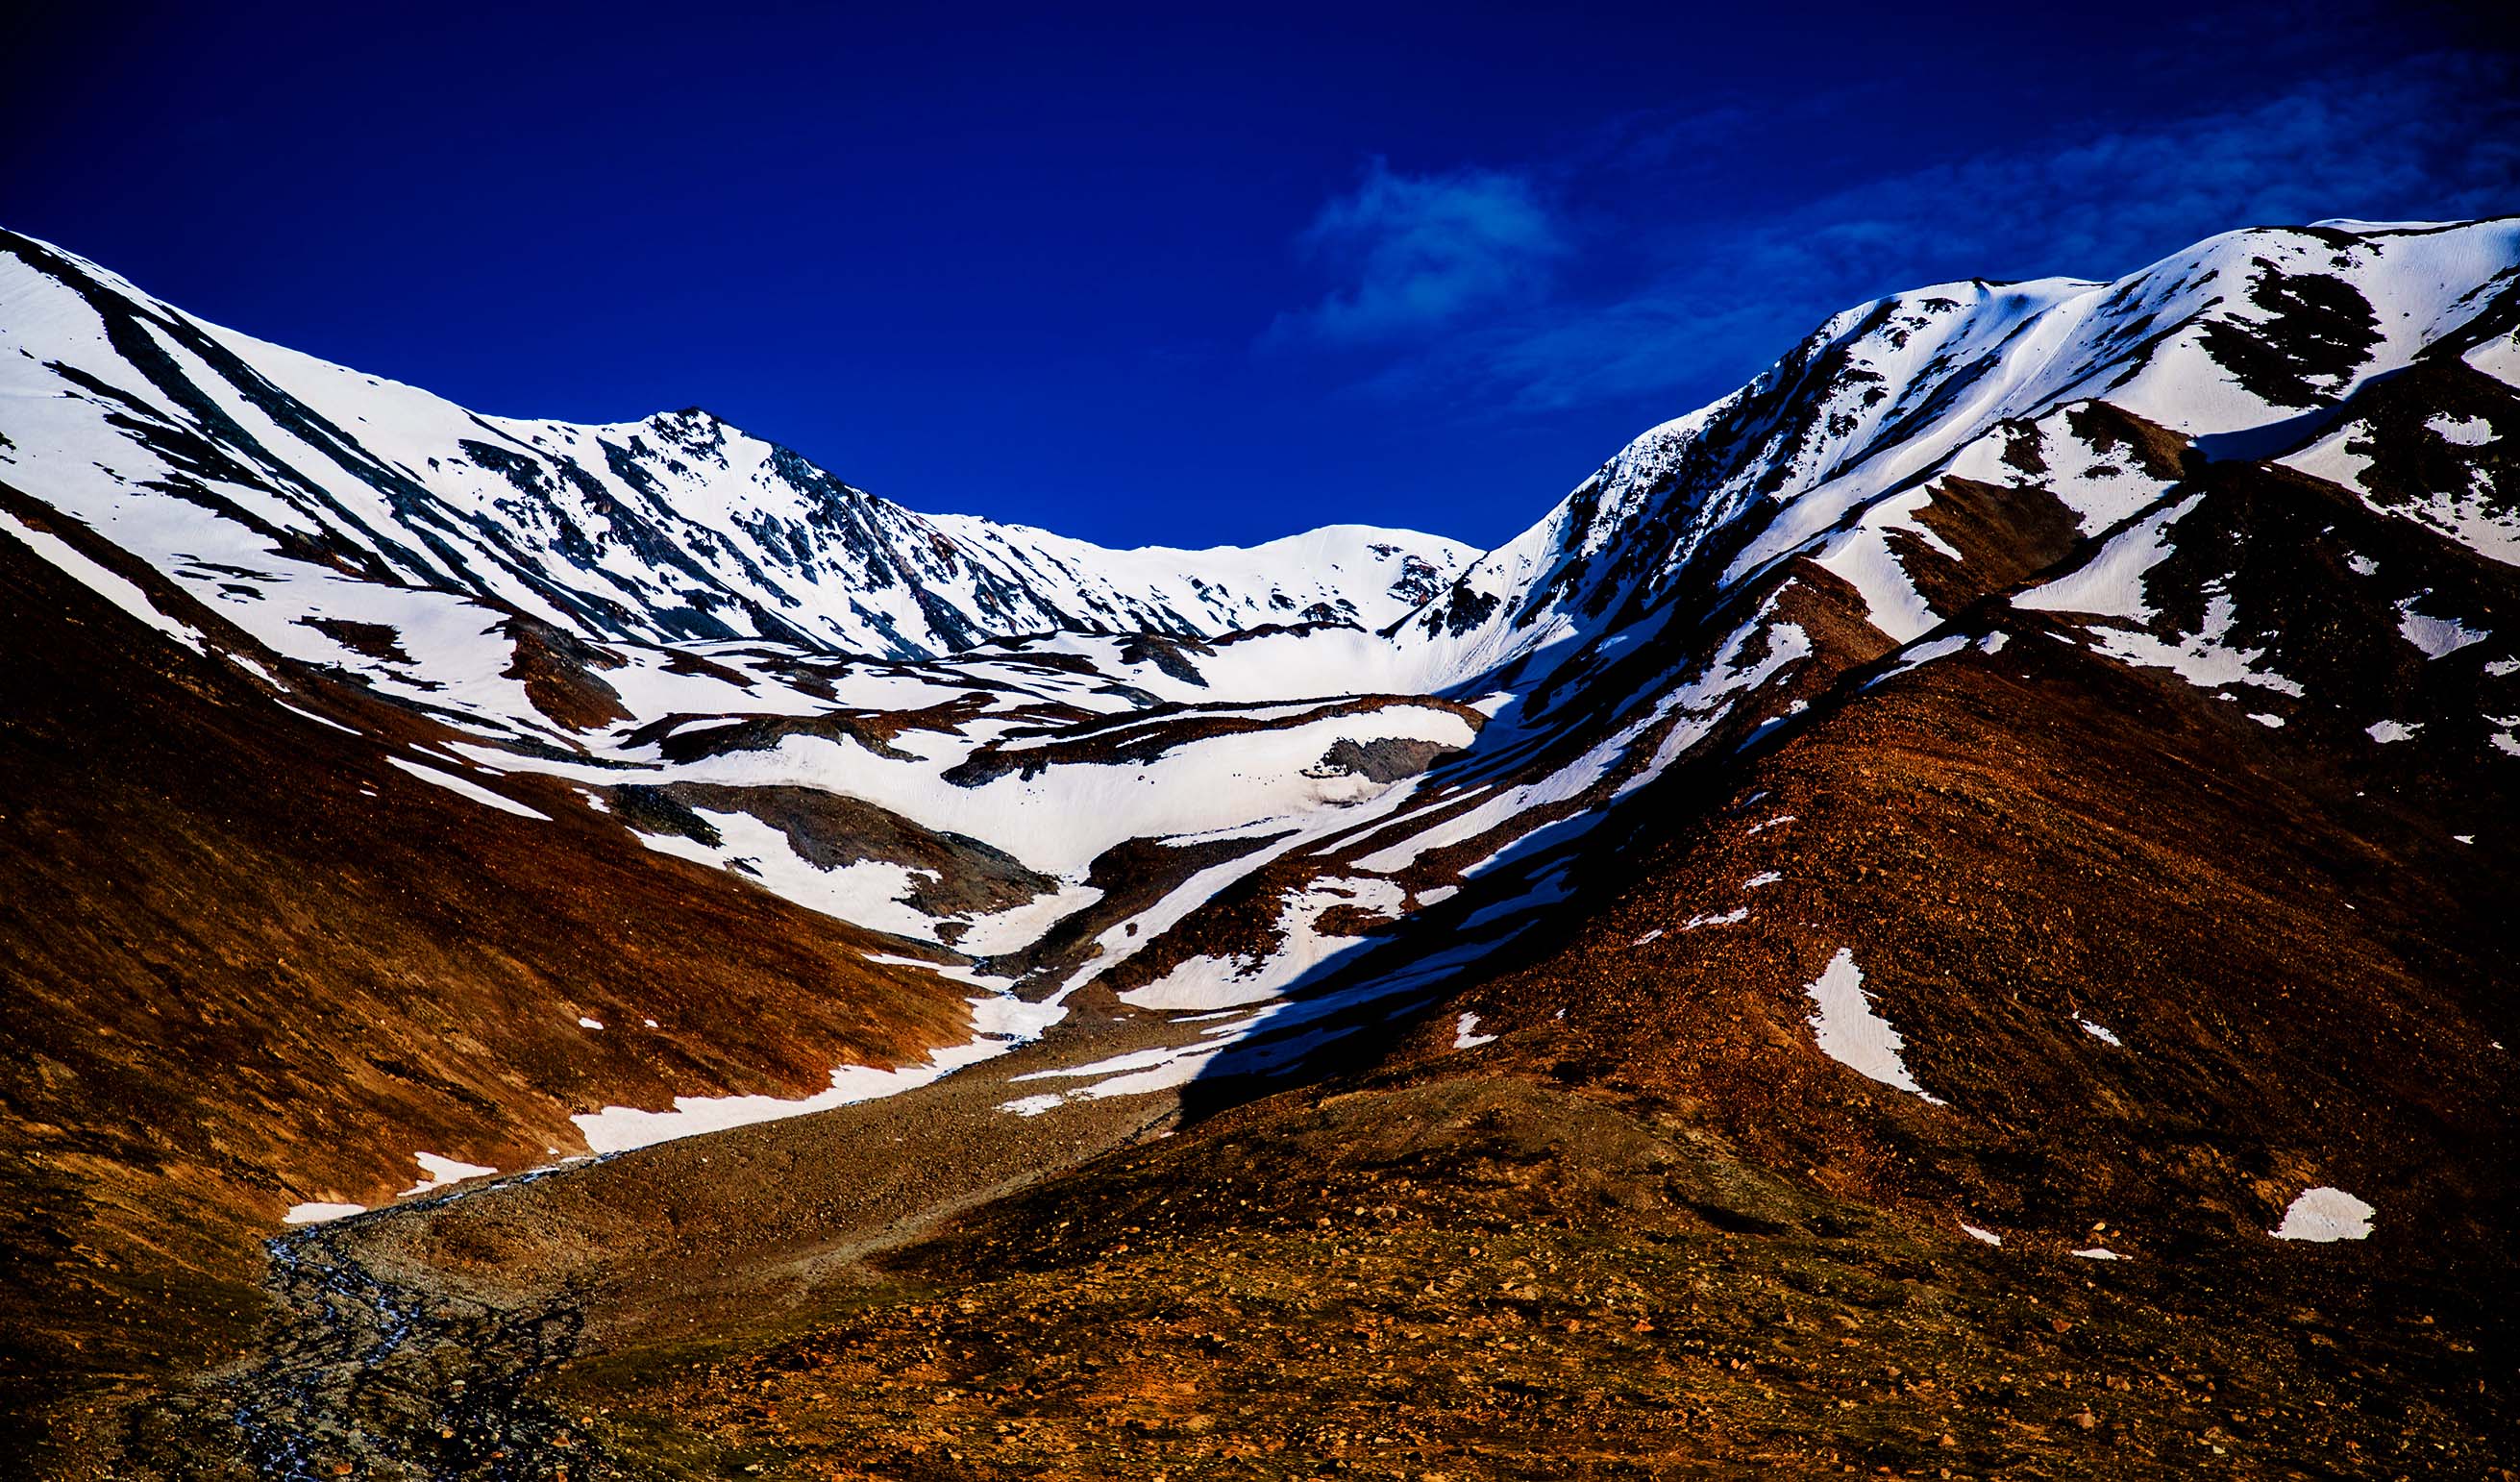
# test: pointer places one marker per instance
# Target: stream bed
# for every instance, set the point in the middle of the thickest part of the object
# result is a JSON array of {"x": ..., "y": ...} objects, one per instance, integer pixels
[{"x": 360, "y": 1374}]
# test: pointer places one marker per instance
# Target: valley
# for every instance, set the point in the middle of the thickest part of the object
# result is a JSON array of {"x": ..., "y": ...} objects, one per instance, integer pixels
[{"x": 1940, "y": 913}]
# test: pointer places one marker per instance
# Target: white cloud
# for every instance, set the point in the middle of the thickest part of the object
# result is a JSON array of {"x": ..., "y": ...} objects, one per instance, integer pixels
[{"x": 1416, "y": 252}]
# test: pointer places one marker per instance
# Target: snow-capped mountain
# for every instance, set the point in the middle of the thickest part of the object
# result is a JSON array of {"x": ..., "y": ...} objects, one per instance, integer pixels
[
  {"x": 2249, "y": 343},
  {"x": 676, "y": 607},
  {"x": 701, "y": 633},
  {"x": 2174, "y": 610},
  {"x": 2022, "y": 729},
  {"x": 226, "y": 460}
]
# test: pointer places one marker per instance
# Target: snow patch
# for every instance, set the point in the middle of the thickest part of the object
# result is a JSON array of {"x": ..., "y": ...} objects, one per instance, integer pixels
[
  {"x": 316, "y": 719},
  {"x": 1005, "y": 1016},
  {"x": 870, "y": 892},
  {"x": 1975, "y": 1234},
  {"x": 473, "y": 791},
  {"x": 2204, "y": 659},
  {"x": 2437, "y": 637},
  {"x": 2461, "y": 431},
  {"x": 1465, "y": 1033},
  {"x": 2111, "y": 583},
  {"x": 1142, "y": 1070},
  {"x": 1022, "y": 925},
  {"x": 1850, "y": 1033},
  {"x": 1922, "y": 653},
  {"x": 1863, "y": 558},
  {"x": 2386, "y": 731},
  {"x": 2325, "y": 1214},
  {"x": 98, "y": 579},
  {"x": 439, "y": 1172},
  {"x": 999, "y": 1023},
  {"x": 317, "y": 1211},
  {"x": 1225, "y": 982}
]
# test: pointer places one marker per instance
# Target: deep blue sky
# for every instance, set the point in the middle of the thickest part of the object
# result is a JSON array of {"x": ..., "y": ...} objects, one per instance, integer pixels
[{"x": 1173, "y": 275}]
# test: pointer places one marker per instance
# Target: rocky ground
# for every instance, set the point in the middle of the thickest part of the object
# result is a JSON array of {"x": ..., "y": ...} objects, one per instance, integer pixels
[
  {"x": 1450, "y": 1264},
  {"x": 425, "y": 1341},
  {"x": 1502, "y": 1277}
]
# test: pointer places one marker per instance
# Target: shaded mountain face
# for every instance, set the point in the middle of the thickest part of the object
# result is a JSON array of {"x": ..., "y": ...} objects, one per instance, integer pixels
[{"x": 2030, "y": 767}]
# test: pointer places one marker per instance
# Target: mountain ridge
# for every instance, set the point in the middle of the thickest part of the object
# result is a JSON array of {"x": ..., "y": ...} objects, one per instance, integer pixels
[{"x": 386, "y": 476}]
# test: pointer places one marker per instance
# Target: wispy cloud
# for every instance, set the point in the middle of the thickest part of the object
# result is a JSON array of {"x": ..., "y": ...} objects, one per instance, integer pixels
[
  {"x": 2433, "y": 137},
  {"x": 1415, "y": 254}
]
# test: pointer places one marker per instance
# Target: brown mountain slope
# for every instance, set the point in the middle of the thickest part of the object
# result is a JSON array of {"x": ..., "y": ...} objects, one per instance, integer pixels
[
  {"x": 1653, "y": 1231},
  {"x": 251, "y": 962},
  {"x": 2306, "y": 967}
]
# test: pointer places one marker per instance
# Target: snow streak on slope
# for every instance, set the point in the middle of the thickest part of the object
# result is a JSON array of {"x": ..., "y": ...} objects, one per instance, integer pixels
[{"x": 1848, "y": 1030}]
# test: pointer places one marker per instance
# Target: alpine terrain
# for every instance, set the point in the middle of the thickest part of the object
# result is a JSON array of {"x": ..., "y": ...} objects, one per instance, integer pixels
[{"x": 1947, "y": 913}]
